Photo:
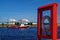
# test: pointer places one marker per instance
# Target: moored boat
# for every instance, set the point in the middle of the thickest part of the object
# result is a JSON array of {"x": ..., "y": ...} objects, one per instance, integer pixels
[{"x": 23, "y": 26}]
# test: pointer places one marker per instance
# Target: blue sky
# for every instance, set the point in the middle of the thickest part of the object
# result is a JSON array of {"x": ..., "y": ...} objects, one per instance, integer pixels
[{"x": 20, "y": 9}]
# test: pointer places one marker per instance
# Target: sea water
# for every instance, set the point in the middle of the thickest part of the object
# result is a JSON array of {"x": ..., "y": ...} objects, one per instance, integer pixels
[{"x": 18, "y": 34}]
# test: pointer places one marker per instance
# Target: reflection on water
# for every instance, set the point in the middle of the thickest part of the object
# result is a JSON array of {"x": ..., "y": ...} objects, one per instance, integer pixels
[{"x": 17, "y": 34}]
